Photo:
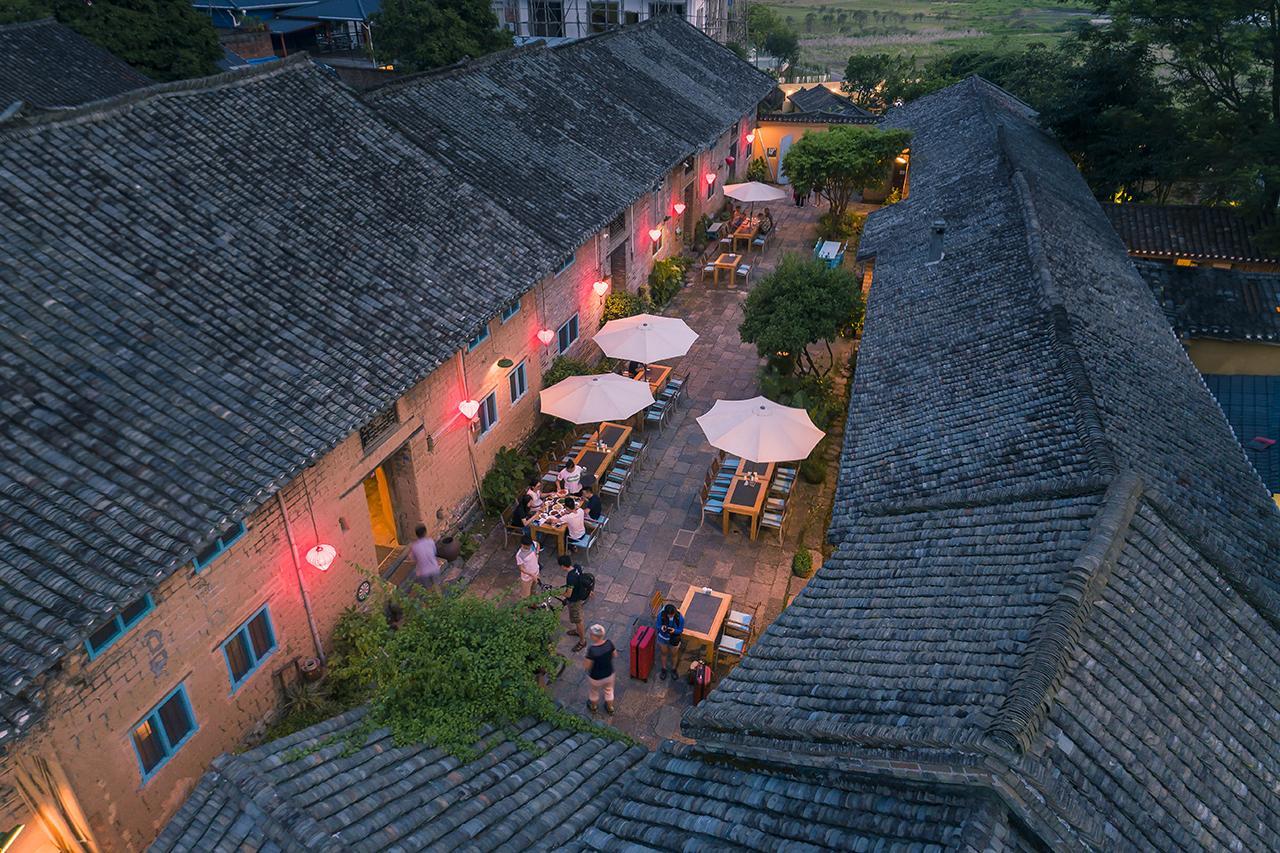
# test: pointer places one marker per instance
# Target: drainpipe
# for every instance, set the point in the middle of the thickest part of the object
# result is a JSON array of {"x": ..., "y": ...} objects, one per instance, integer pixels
[
  {"x": 297, "y": 568},
  {"x": 471, "y": 450}
]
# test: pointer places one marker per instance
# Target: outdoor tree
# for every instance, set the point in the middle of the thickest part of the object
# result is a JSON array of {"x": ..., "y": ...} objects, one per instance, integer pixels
[
  {"x": 874, "y": 80},
  {"x": 163, "y": 39},
  {"x": 842, "y": 161},
  {"x": 800, "y": 303},
  {"x": 424, "y": 34}
]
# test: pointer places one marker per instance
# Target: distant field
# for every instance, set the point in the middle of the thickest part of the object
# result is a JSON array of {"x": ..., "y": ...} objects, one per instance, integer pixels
[{"x": 831, "y": 30}]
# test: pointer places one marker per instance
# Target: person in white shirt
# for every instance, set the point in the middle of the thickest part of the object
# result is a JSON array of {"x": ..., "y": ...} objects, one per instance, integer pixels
[
  {"x": 535, "y": 492},
  {"x": 426, "y": 564},
  {"x": 575, "y": 520},
  {"x": 527, "y": 563},
  {"x": 570, "y": 477}
]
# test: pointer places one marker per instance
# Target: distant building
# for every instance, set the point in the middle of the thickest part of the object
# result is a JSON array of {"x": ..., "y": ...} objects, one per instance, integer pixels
[
  {"x": 572, "y": 19},
  {"x": 1192, "y": 235},
  {"x": 46, "y": 65}
]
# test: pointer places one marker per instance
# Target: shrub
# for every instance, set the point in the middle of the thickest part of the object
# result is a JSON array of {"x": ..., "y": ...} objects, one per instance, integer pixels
[
  {"x": 454, "y": 667},
  {"x": 564, "y": 367},
  {"x": 814, "y": 469},
  {"x": 802, "y": 564},
  {"x": 758, "y": 170},
  {"x": 622, "y": 304},
  {"x": 470, "y": 544},
  {"x": 849, "y": 227},
  {"x": 815, "y": 394},
  {"x": 504, "y": 482},
  {"x": 666, "y": 280}
]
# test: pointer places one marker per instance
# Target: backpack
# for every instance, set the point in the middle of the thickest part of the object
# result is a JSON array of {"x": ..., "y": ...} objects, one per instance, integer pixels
[{"x": 587, "y": 583}]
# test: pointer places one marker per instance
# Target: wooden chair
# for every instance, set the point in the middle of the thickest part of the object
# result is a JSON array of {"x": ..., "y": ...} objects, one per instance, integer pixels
[
  {"x": 708, "y": 503},
  {"x": 775, "y": 519},
  {"x": 509, "y": 529}
]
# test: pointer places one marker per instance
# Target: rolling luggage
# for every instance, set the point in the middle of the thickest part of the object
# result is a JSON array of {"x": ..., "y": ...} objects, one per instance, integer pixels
[
  {"x": 642, "y": 652},
  {"x": 700, "y": 678}
]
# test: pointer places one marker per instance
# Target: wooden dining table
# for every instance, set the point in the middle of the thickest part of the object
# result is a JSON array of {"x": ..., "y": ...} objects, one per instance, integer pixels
[
  {"x": 747, "y": 496},
  {"x": 745, "y": 232},
  {"x": 704, "y": 613},
  {"x": 597, "y": 459},
  {"x": 726, "y": 261},
  {"x": 546, "y": 524}
]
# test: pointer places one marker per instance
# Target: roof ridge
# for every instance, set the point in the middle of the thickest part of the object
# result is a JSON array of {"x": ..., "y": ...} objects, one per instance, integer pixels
[
  {"x": 281, "y": 817},
  {"x": 1019, "y": 717},
  {"x": 967, "y": 499},
  {"x": 94, "y": 110},
  {"x": 466, "y": 64},
  {"x": 32, "y": 24}
]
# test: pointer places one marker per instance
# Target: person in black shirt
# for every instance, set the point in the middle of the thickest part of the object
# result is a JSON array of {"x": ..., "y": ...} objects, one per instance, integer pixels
[
  {"x": 577, "y": 583},
  {"x": 599, "y": 666},
  {"x": 520, "y": 515},
  {"x": 592, "y": 503}
]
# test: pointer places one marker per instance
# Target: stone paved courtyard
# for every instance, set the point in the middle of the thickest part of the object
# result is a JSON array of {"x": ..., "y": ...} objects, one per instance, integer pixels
[{"x": 653, "y": 541}]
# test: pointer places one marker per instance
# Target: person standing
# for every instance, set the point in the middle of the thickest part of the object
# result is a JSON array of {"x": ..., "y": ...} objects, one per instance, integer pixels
[
  {"x": 427, "y": 564},
  {"x": 579, "y": 584},
  {"x": 527, "y": 564},
  {"x": 670, "y": 627},
  {"x": 599, "y": 666},
  {"x": 570, "y": 477}
]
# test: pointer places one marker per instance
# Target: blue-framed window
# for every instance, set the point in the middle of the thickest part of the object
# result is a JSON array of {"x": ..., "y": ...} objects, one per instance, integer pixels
[
  {"x": 568, "y": 333},
  {"x": 163, "y": 731},
  {"x": 518, "y": 381},
  {"x": 488, "y": 412},
  {"x": 511, "y": 310},
  {"x": 481, "y": 337},
  {"x": 131, "y": 614},
  {"x": 214, "y": 547},
  {"x": 251, "y": 644},
  {"x": 565, "y": 264}
]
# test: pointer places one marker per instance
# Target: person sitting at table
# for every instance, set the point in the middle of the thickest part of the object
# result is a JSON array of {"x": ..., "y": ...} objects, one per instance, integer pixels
[
  {"x": 766, "y": 222},
  {"x": 592, "y": 504},
  {"x": 635, "y": 369},
  {"x": 670, "y": 627},
  {"x": 575, "y": 521},
  {"x": 520, "y": 515},
  {"x": 570, "y": 477},
  {"x": 534, "y": 493}
]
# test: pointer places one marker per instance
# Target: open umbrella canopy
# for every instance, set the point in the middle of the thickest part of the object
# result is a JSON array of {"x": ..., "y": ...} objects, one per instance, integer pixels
[
  {"x": 760, "y": 430},
  {"x": 646, "y": 338},
  {"x": 753, "y": 191},
  {"x": 599, "y": 397}
]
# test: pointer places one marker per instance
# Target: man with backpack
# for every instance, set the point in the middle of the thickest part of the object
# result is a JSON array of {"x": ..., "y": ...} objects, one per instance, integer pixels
[{"x": 579, "y": 585}]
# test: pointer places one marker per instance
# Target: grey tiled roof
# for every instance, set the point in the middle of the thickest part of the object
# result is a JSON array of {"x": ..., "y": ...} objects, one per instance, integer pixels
[
  {"x": 1203, "y": 302},
  {"x": 325, "y": 788},
  {"x": 209, "y": 284},
  {"x": 570, "y": 136},
  {"x": 1055, "y": 571},
  {"x": 1188, "y": 231},
  {"x": 48, "y": 65},
  {"x": 1252, "y": 407},
  {"x": 820, "y": 99}
]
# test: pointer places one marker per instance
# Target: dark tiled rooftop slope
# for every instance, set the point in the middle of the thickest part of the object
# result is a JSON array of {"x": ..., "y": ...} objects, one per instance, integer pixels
[
  {"x": 1058, "y": 586},
  {"x": 570, "y": 136},
  {"x": 820, "y": 99},
  {"x": 865, "y": 647},
  {"x": 1203, "y": 302},
  {"x": 1188, "y": 231},
  {"x": 210, "y": 284},
  {"x": 313, "y": 791},
  {"x": 48, "y": 65}
]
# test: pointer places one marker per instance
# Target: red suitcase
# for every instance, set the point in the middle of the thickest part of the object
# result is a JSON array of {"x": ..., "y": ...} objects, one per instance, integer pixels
[
  {"x": 700, "y": 677},
  {"x": 642, "y": 652}
]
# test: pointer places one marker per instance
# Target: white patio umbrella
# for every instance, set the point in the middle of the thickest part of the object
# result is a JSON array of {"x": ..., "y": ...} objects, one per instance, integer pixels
[
  {"x": 760, "y": 430},
  {"x": 754, "y": 191},
  {"x": 646, "y": 338},
  {"x": 599, "y": 397}
]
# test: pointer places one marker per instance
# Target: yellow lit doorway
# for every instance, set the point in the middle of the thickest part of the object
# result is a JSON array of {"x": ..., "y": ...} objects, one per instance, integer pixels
[{"x": 382, "y": 517}]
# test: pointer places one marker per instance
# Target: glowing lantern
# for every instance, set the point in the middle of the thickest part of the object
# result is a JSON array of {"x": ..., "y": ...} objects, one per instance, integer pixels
[
  {"x": 468, "y": 408},
  {"x": 711, "y": 178},
  {"x": 546, "y": 336},
  {"x": 601, "y": 287},
  {"x": 654, "y": 234},
  {"x": 322, "y": 556},
  {"x": 678, "y": 208},
  {"x": 730, "y": 160},
  {"x": 751, "y": 137}
]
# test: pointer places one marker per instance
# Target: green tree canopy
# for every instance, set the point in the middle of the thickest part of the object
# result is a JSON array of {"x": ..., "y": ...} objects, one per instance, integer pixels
[
  {"x": 800, "y": 303},
  {"x": 422, "y": 34},
  {"x": 874, "y": 80},
  {"x": 842, "y": 161},
  {"x": 761, "y": 21},
  {"x": 164, "y": 39}
]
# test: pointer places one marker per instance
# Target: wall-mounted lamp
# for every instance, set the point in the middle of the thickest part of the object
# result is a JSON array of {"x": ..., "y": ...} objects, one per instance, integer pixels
[
  {"x": 322, "y": 556},
  {"x": 505, "y": 363},
  {"x": 751, "y": 137},
  {"x": 468, "y": 408},
  {"x": 730, "y": 160},
  {"x": 679, "y": 208},
  {"x": 710, "y": 178},
  {"x": 601, "y": 287},
  {"x": 546, "y": 336},
  {"x": 655, "y": 234}
]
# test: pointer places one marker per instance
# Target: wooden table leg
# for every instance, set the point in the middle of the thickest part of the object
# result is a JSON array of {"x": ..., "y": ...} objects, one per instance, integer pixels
[
  {"x": 725, "y": 517},
  {"x": 755, "y": 525}
]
